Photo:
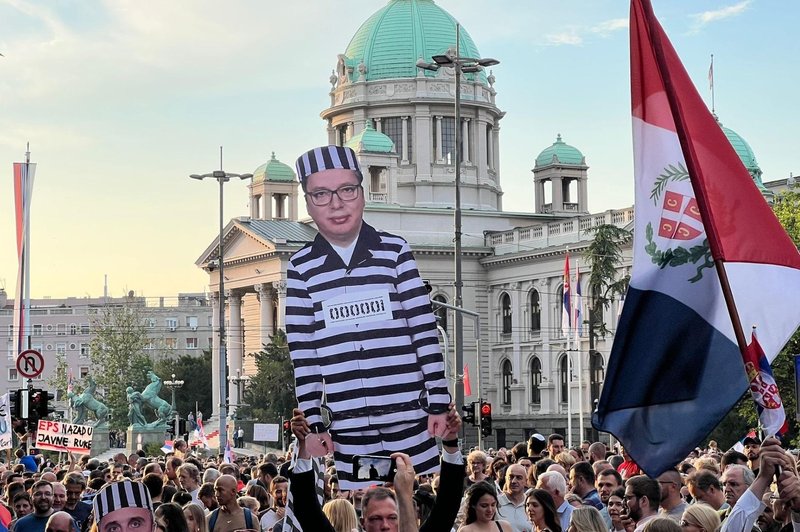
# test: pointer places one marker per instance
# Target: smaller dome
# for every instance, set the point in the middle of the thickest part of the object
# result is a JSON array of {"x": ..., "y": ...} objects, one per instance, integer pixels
[
  {"x": 560, "y": 153},
  {"x": 371, "y": 140},
  {"x": 273, "y": 170},
  {"x": 743, "y": 149}
]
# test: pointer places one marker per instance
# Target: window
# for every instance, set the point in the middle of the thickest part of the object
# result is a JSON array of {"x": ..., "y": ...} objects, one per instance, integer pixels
[
  {"x": 448, "y": 139},
  {"x": 73, "y": 329},
  {"x": 171, "y": 343},
  {"x": 150, "y": 323},
  {"x": 191, "y": 343},
  {"x": 563, "y": 370},
  {"x": 210, "y": 342},
  {"x": 507, "y": 380},
  {"x": 83, "y": 371},
  {"x": 210, "y": 321},
  {"x": 536, "y": 311},
  {"x": 37, "y": 329},
  {"x": 11, "y": 330},
  {"x": 12, "y": 374},
  {"x": 84, "y": 328},
  {"x": 440, "y": 312},
  {"x": 61, "y": 349},
  {"x": 149, "y": 344},
  {"x": 505, "y": 305},
  {"x": 392, "y": 127},
  {"x": 85, "y": 350},
  {"x": 536, "y": 381},
  {"x": 61, "y": 329},
  {"x": 171, "y": 323},
  {"x": 191, "y": 322},
  {"x": 596, "y": 374}
]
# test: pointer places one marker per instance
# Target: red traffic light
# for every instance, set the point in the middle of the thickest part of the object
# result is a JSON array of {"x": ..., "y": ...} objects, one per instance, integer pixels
[
  {"x": 486, "y": 409},
  {"x": 287, "y": 424}
]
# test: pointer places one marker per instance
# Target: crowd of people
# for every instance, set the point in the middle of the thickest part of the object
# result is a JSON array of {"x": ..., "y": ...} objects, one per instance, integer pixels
[{"x": 536, "y": 485}]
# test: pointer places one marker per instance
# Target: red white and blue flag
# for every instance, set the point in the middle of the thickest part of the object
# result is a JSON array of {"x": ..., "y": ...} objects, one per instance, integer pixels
[
  {"x": 23, "y": 191},
  {"x": 566, "y": 309},
  {"x": 578, "y": 321},
  {"x": 167, "y": 447},
  {"x": 764, "y": 390},
  {"x": 701, "y": 224}
]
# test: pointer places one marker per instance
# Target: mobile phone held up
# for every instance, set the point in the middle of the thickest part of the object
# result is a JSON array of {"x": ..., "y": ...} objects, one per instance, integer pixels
[{"x": 367, "y": 467}]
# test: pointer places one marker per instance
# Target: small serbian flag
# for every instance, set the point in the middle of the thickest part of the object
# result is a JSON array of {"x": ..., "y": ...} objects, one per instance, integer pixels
[
  {"x": 167, "y": 448},
  {"x": 467, "y": 387},
  {"x": 764, "y": 390},
  {"x": 228, "y": 453}
]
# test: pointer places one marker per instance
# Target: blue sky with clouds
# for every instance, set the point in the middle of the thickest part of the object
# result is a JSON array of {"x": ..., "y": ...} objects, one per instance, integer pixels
[{"x": 122, "y": 99}]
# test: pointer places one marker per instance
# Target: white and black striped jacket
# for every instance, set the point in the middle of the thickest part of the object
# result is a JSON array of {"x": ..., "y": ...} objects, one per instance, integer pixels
[{"x": 371, "y": 373}]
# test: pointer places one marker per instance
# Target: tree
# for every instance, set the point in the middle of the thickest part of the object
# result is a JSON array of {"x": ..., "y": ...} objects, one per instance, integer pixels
[
  {"x": 270, "y": 392},
  {"x": 195, "y": 372},
  {"x": 58, "y": 382},
  {"x": 604, "y": 256},
  {"x": 119, "y": 338}
]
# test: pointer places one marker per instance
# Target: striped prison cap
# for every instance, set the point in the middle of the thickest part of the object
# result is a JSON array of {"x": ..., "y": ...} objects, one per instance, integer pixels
[
  {"x": 118, "y": 495},
  {"x": 326, "y": 158}
]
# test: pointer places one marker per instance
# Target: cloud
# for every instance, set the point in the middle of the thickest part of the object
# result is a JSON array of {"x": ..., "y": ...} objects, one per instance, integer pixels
[
  {"x": 707, "y": 17},
  {"x": 610, "y": 26},
  {"x": 569, "y": 37}
]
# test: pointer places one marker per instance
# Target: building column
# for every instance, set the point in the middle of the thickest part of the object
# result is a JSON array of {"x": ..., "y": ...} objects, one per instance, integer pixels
[
  {"x": 496, "y": 148},
  {"x": 490, "y": 144},
  {"x": 266, "y": 212},
  {"x": 557, "y": 194},
  {"x": 378, "y": 125},
  {"x": 465, "y": 140},
  {"x": 235, "y": 346},
  {"x": 264, "y": 293},
  {"x": 438, "y": 139},
  {"x": 351, "y": 130},
  {"x": 583, "y": 193},
  {"x": 280, "y": 288},
  {"x": 215, "y": 400},
  {"x": 404, "y": 122},
  {"x": 331, "y": 132},
  {"x": 480, "y": 147}
]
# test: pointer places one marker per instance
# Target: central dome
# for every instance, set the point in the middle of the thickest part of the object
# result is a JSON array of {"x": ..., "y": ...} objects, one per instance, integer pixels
[{"x": 391, "y": 41}]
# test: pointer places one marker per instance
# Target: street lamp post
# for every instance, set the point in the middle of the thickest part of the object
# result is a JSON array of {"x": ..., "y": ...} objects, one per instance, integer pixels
[
  {"x": 221, "y": 176},
  {"x": 467, "y": 65},
  {"x": 174, "y": 385},
  {"x": 238, "y": 380}
]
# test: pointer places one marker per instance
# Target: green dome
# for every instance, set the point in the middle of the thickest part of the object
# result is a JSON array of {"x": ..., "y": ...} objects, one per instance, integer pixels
[
  {"x": 392, "y": 40},
  {"x": 560, "y": 153},
  {"x": 371, "y": 140},
  {"x": 745, "y": 153},
  {"x": 273, "y": 170}
]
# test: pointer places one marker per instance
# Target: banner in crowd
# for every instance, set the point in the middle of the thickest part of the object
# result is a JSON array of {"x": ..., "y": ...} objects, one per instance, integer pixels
[
  {"x": 5, "y": 422},
  {"x": 60, "y": 436},
  {"x": 709, "y": 256}
]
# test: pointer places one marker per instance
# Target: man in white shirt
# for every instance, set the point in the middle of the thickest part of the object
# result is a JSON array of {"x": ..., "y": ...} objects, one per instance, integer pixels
[
  {"x": 642, "y": 496},
  {"x": 555, "y": 484},
  {"x": 511, "y": 501}
]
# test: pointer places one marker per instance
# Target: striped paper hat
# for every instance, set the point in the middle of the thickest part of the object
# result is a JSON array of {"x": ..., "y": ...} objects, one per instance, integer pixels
[
  {"x": 118, "y": 495},
  {"x": 326, "y": 158}
]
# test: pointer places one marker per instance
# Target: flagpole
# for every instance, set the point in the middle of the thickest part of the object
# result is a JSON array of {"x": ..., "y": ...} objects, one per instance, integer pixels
[
  {"x": 686, "y": 146},
  {"x": 27, "y": 253},
  {"x": 567, "y": 296},
  {"x": 578, "y": 354},
  {"x": 711, "y": 81}
]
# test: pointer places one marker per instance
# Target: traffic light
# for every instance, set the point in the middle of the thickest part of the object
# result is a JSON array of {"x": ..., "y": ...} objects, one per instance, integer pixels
[
  {"x": 40, "y": 403},
  {"x": 486, "y": 418},
  {"x": 16, "y": 402},
  {"x": 287, "y": 430},
  {"x": 469, "y": 414}
]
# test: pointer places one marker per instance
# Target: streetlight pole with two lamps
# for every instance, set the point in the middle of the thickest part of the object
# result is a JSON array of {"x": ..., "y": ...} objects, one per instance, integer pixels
[
  {"x": 461, "y": 65},
  {"x": 174, "y": 385},
  {"x": 222, "y": 177}
]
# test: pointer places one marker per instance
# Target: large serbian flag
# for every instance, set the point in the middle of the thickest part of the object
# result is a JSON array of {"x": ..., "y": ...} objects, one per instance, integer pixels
[
  {"x": 23, "y": 191},
  {"x": 676, "y": 365}
]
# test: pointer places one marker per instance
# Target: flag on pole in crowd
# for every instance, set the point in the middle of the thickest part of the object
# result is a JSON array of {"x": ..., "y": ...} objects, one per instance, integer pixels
[
  {"x": 23, "y": 191},
  {"x": 200, "y": 434},
  {"x": 739, "y": 445},
  {"x": 566, "y": 309},
  {"x": 167, "y": 447},
  {"x": 711, "y": 74},
  {"x": 578, "y": 321},
  {"x": 291, "y": 524},
  {"x": 764, "y": 390},
  {"x": 228, "y": 455},
  {"x": 467, "y": 386},
  {"x": 709, "y": 255},
  {"x": 70, "y": 381}
]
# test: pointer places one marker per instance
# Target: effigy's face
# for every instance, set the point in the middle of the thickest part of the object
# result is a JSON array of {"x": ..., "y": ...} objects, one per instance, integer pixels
[{"x": 340, "y": 220}]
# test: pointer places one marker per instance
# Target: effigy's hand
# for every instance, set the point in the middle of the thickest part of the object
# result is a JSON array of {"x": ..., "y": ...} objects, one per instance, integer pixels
[
  {"x": 453, "y": 423},
  {"x": 437, "y": 424}
]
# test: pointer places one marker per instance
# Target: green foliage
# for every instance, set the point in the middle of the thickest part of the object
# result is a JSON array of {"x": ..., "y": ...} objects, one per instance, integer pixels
[
  {"x": 270, "y": 392},
  {"x": 58, "y": 381},
  {"x": 787, "y": 209},
  {"x": 118, "y": 357},
  {"x": 670, "y": 173},
  {"x": 195, "y": 372},
  {"x": 604, "y": 256}
]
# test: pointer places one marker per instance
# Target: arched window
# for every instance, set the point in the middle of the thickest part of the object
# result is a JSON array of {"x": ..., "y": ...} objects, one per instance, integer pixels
[
  {"x": 536, "y": 312},
  {"x": 507, "y": 380},
  {"x": 560, "y": 310},
  {"x": 596, "y": 374},
  {"x": 505, "y": 304},
  {"x": 536, "y": 381},
  {"x": 440, "y": 312},
  {"x": 563, "y": 371}
]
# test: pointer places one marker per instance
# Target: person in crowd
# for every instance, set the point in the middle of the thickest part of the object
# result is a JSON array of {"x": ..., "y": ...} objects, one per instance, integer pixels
[
  {"x": 752, "y": 450},
  {"x": 628, "y": 468},
  {"x": 42, "y": 495},
  {"x": 555, "y": 446},
  {"x": 597, "y": 452},
  {"x": 587, "y": 519},
  {"x": 189, "y": 480},
  {"x": 581, "y": 482},
  {"x": 541, "y": 510},
  {"x": 341, "y": 514},
  {"x": 279, "y": 494},
  {"x": 616, "y": 509},
  {"x": 672, "y": 504},
  {"x": 266, "y": 471},
  {"x": 261, "y": 495},
  {"x": 59, "y": 495},
  {"x": 60, "y": 522},
  {"x": 536, "y": 444},
  {"x": 731, "y": 457},
  {"x": 195, "y": 518},
  {"x": 22, "y": 504},
  {"x": 481, "y": 510},
  {"x": 229, "y": 516},
  {"x": 706, "y": 487},
  {"x": 476, "y": 467},
  {"x": 496, "y": 472},
  {"x": 75, "y": 485},
  {"x": 662, "y": 524},
  {"x": 607, "y": 482},
  {"x": 123, "y": 506},
  {"x": 169, "y": 517},
  {"x": 735, "y": 481},
  {"x": 511, "y": 501},
  {"x": 699, "y": 518},
  {"x": 555, "y": 484},
  {"x": 642, "y": 497},
  {"x": 206, "y": 496}
]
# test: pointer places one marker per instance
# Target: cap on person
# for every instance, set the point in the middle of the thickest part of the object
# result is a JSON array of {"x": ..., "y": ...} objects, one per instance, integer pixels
[
  {"x": 119, "y": 495},
  {"x": 326, "y": 158},
  {"x": 537, "y": 443},
  {"x": 751, "y": 439}
]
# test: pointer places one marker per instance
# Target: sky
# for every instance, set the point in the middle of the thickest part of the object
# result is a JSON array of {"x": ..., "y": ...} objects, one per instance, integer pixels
[{"x": 122, "y": 99}]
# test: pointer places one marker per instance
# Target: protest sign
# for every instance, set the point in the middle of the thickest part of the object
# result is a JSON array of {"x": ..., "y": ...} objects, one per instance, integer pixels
[
  {"x": 5, "y": 422},
  {"x": 265, "y": 432},
  {"x": 60, "y": 436}
]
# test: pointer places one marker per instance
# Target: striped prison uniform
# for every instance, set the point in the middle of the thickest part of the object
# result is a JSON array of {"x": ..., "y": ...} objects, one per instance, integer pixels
[{"x": 369, "y": 362}]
